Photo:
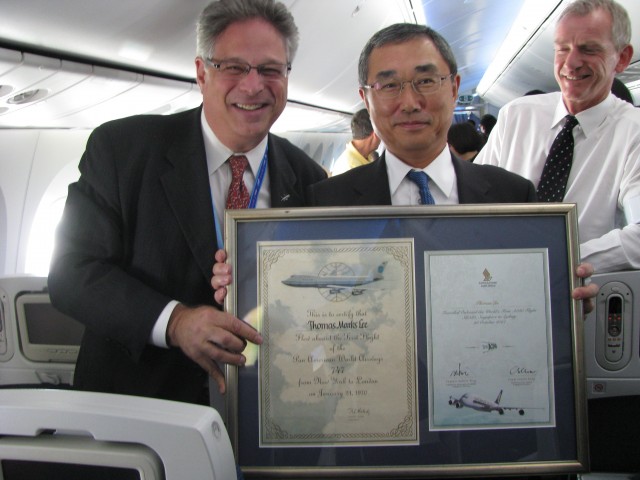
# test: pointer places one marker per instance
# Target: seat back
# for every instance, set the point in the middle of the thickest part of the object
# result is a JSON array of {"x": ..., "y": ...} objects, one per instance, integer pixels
[{"x": 38, "y": 344}]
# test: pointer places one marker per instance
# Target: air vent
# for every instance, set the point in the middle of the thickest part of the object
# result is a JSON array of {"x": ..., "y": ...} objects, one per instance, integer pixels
[
  {"x": 28, "y": 96},
  {"x": 5, "y": 90}
]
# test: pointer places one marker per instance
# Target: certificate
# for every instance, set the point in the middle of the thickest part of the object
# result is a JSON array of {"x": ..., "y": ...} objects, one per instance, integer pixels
[
  {"x": 407, "y": 342},
  {"x": 330, "y": 311},
  {"x": 489, "y": 332}
]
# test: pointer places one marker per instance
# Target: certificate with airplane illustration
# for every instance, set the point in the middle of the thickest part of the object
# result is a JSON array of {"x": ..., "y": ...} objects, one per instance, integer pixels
[
  {"x": 489, "y": 337},
  {"x": 338, "y": 362}
]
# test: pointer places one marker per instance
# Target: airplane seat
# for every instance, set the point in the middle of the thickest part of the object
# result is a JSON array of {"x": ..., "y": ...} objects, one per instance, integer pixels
[
  {"x": 38, "y": 344},
  {"x": 612, "y": 366},
  {"x": 98, "y": 435}
]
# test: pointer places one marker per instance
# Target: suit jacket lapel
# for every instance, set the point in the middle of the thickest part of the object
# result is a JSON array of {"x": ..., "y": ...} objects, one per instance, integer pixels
[
  {"x": 371, "y": 187},
  {"x": 282, "y": 178},
  {"x": 188, "y": 191},
  {"x": 471, "y": 188}
]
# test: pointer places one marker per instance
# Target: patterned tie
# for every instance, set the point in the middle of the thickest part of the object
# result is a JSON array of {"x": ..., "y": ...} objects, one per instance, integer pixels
[
  {"x": 555, "y": 173},
  {"x": 422, "y": 180},
  {"x": 238, "y": 196}
]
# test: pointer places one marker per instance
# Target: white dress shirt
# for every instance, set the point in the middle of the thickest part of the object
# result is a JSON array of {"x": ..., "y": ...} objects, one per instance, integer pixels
[
  {"x": 442, "y": 180},
  {"x": 219, "y": 181},
  {"x": 604, "y": 180}
]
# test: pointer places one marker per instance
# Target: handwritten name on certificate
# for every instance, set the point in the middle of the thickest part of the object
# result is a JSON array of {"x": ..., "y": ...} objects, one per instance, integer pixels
[
  {"x": 338, "y": 362},
  {"x": 489, "y": 337}
]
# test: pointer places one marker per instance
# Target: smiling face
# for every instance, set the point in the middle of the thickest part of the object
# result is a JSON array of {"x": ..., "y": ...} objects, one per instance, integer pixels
[
  {"x": 240, "y": 111},
  {"x": 586, "y": 59},
  {"x": 412, "y": 126}
]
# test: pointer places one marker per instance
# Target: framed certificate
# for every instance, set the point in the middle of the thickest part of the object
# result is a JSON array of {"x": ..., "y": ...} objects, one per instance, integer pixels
[{"x": 407, "y": 342}]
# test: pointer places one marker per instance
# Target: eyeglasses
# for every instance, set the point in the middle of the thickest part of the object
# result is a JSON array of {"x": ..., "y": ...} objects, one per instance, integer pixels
[
  {"x": 423, "y": 84},
  {"x": 237, "y": 69}
]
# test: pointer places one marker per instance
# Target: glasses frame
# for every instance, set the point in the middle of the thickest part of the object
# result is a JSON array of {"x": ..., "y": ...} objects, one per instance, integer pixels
[
  {"x": 217, "y": 64},
  {"x": 440, "y": 78}
]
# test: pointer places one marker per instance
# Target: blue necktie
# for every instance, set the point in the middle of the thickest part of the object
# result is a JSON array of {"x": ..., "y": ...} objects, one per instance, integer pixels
[{"x": 422, "y": 180}]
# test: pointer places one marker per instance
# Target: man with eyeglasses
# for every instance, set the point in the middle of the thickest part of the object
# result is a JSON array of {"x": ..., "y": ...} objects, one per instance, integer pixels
[
  {"x": 409, "y": 83},
  {"x": 135, "y": 247}
]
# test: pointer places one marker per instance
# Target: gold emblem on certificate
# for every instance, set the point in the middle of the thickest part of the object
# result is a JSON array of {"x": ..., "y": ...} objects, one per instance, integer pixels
[{"x": 338, "y": 363}]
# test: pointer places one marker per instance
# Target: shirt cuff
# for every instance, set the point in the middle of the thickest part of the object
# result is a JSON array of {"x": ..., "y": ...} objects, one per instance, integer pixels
[
  {"x": 159, "y": 332},
  {"x": 632, "y": 209}
]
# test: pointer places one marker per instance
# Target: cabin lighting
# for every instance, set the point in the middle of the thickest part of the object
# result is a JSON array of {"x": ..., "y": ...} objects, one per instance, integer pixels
[{"x": 530, "y": 21}]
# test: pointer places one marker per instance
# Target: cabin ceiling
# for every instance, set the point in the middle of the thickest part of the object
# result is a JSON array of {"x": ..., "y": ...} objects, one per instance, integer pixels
[{"x": 70, "y": 46}]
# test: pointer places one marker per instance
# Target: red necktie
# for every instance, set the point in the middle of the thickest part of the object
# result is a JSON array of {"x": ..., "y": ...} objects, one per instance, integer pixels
[{"x": 238, "y": 196}]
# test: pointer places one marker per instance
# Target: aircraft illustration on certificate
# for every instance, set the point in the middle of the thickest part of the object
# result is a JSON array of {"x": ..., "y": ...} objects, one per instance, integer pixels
[
  {"x": 472, "y": 400},
  {"x": 337, "y": 280}
]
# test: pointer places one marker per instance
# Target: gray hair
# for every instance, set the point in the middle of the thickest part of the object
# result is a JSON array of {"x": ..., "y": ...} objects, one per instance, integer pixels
[
  {"x": 620, "y": 22},
  {"x": 219, "y": 14},
  {"x": 400, "y": 33}
]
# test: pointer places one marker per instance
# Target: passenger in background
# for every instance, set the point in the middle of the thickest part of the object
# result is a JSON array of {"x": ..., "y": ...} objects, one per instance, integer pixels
[
  {"x": 592, "y": 45},
  {"x": 135, "y": 247},
  {"x": 465, "y": 141},
  {"x": 362, "y": 148},
  {"x": 487, "y": 122}
]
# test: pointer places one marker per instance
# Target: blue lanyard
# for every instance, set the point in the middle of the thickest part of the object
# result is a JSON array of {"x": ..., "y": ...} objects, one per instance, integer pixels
[{"x": 253, "y": 200}]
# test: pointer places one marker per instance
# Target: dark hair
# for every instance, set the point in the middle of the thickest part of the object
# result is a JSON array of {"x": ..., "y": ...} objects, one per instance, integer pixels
[
  {"x": 465, "y": 138},
  {"x": 620, "y": 90},
  {"x": 361, "y": 125},
  {"x": 620, "y": 22},
  {"x": 533, "y": 92},
  {"x": 487, "y": 122},
  {"x": 399, "y": 33},
  {"x": 218, "y": 15}
]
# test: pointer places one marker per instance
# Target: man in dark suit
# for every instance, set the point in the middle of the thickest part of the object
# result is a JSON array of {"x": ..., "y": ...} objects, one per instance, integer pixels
[
  {"x": 135, "y": 248},
  {"x": 409, "y": 83}
]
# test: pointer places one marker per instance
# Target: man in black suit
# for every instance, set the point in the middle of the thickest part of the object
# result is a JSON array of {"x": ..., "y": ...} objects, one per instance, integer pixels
[
  {"x": 135, "y": 248},
  {"x": 409, "y": 83}
]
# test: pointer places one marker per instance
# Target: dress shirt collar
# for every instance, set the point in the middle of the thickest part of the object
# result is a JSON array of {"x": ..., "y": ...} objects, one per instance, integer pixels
[
  {"x": 440, "y": 171},
  {"x": 590, "y": 119},
  {"x": 217, "y": 153}
]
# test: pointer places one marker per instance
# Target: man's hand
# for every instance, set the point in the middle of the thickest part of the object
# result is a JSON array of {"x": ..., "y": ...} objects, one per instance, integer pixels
[
  {"x": 221, "y": 276},
  {"x": 589, "y": 290},
  {"x": 209, "y": 336}
]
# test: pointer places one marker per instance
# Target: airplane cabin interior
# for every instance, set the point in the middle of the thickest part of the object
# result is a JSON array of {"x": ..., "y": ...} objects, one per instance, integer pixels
[{"x": 67, "y": 67}]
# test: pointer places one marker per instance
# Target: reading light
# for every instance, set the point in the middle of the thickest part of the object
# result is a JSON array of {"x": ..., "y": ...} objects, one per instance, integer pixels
[
  {"x": 28, "y": 96},
  {"x": 5, "y": 90}
]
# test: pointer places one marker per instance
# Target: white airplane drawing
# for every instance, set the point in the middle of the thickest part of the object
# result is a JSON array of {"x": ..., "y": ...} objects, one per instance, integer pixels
[
  {"x": 471, "y": 400},
  {"x": 337, "y": 282}
]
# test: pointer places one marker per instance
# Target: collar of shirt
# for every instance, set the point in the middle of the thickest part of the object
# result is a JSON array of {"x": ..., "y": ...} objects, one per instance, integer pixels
[
  {"x": 589, "y": 120},
  {"x": 441, "y": 172},
  {"x": 220, "y": 171},
  {"x": 218, "y": 153}
]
